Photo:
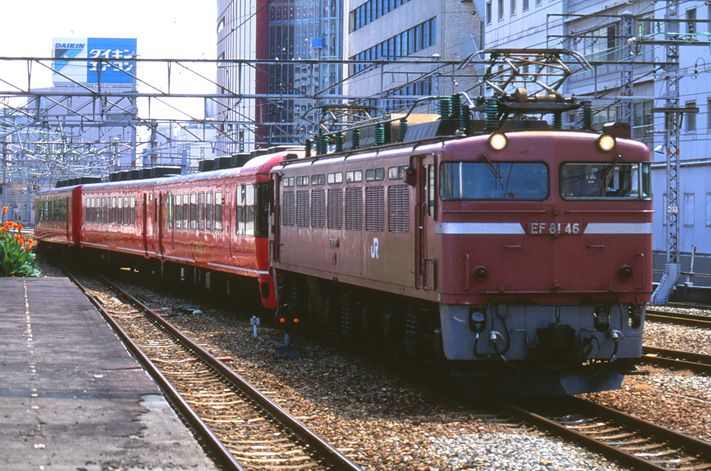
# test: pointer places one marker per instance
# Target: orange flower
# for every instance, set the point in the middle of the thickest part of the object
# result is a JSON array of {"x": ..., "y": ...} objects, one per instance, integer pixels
[
  {"x": 7, "y": 224},
  {"x": 4, "y": 209}
]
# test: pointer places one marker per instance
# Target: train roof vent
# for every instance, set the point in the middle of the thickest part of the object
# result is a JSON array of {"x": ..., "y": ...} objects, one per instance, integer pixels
[
  {"x": 259, "y": 152},
  {"x": 135, "y": 174},
  {"x": 206, "y": 165},
  {"x": 167, "y": 171},
  {"x": 89, "y": 180},
  {"x": 223, "y": 162},
  {"x": 289, "y": 157},
  {"x": 238, "y": 160}
]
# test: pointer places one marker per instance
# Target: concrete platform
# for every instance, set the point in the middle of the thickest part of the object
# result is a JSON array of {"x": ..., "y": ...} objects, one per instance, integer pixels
[{"x": 71, "y": 396}]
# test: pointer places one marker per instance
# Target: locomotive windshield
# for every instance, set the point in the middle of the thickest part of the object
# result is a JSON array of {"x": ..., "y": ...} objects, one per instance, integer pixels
[
  {"x": 628, "y": 181},
  {"x": 494, "y": 181}
]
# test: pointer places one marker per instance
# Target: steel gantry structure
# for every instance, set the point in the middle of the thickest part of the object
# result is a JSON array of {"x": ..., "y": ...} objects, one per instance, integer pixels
[{"x": 78, "y": 129}]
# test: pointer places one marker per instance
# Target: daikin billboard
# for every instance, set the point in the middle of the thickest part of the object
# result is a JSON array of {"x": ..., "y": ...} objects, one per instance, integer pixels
[{"x": 108, "y": 60}]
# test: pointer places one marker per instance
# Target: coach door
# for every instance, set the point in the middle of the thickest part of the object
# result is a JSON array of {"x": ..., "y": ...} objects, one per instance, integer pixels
[
  {"x": 275, "y": 223},
  {"x": 425, "y": 188},
  {"x": 145, "y": 211},
  {"x": 162, "y": 198}
]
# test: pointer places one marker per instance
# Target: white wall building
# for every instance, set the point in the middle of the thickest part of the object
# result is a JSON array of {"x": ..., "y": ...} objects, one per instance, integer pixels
[
  {"x": 387, "y": 30},
  {"x": 581, "y": 25}
]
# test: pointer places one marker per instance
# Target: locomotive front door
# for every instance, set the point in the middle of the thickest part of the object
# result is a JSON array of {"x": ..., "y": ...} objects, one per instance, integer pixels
[{"x": 425, "y": 189}]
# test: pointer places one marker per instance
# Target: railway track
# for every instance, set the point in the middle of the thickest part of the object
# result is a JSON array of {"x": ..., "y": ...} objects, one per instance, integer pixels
[
  {"x": 677, "y": 359},
  {"x": 239, "y": 425},
  {"x": 679, "y": 318},
  {"x": 630, "y": 440}
]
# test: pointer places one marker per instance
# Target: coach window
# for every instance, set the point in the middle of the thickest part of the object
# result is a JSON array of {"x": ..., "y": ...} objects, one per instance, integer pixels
[
  {"x": 87, "y": 216},
  {"x": 171, "y": 211},
  {"x": 245, "y": 209},
  {"x": 113, "y": 210},
  {"x": 178, "y": 211},
  {"x": 319, "y": 179},
  {"x": 186, "y": 211},
  {"x": 208, "y": 211},
  {"x": 133, "y": 210},
  {"x": 240, "y": 199},
  {"x": 218, "y": 211},
  {"x": 126, "y": 211},
  {"x": 119, "y": 211},
  {"x": 193, "y": 211},
  {"x": 201, "y": 211}
]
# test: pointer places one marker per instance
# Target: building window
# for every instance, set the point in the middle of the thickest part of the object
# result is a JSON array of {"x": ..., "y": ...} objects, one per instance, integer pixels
[
  {"x": 524, "y": 7},
  {"x": 688, "y": 214},
  {"x": 501, "y": 10},
  {"x": 488, "y": 12},
  {"x": 690, "y": 117},
  {"x": 513, "y": 7},
  {"x": 691, "y": 23}
]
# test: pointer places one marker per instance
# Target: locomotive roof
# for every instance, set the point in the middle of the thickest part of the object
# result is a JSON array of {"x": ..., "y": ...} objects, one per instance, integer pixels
[{"x": 455, "y": 143}]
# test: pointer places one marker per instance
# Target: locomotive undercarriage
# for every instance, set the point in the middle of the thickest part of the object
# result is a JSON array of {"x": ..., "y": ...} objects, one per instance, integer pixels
[
  {"x": 401, "y": 326},
  {"x": 527, "y": 348}
]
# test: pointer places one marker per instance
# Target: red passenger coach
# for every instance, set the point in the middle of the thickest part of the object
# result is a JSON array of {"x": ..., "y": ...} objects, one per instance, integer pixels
[
  {"x": 215, "y": 221},
  {"x": 56, "y": 220}
]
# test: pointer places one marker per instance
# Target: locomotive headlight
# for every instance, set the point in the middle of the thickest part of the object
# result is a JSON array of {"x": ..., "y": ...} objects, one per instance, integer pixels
[
  {"x": 606, "y": 143},
  {"x": 477, "y": 319},
  {"x": 498, "y": 141}
]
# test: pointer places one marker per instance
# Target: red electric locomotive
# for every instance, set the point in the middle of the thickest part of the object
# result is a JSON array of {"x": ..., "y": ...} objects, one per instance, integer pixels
[{"x": 526, "y": 245}]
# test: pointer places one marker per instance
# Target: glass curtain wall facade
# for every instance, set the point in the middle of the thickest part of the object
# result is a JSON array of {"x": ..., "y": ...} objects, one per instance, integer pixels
[{"x": 301, "y": 30}]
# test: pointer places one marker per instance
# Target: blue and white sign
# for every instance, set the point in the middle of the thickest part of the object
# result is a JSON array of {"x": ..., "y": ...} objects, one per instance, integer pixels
[{"x": 110, "y": 60}]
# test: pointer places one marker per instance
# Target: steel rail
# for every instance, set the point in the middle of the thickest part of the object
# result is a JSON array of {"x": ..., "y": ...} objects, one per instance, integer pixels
[
  {"x": 677, "y": 359},
  {"x": 219, "y": 452},
  {"x": 679, "y": 319},
  {"x": 326, "y": 451},
  {"x": 613, "y": 448}
]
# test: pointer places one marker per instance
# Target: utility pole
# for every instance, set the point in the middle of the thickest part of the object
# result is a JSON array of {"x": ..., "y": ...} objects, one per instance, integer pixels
[
  {"x": 627, "y": 72},
  {"x": 673, "y": 118}
]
